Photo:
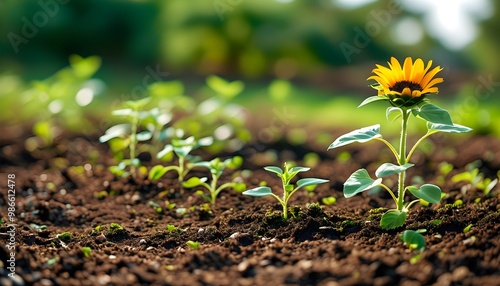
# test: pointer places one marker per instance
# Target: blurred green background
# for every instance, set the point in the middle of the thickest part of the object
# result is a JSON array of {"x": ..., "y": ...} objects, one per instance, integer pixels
[{"x": 311, "y": 57}]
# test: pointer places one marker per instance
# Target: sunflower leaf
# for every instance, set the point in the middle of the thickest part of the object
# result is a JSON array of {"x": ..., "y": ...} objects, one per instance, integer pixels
[
  {"x": 373, "y": 99},
  {"x": 392, "y": 113},
  {"x": 393, "y": 219},
  {"x": 388, "y": 169},
  {"x": 361, "y": 135},
  {"x": 433, "y": 113},
  {"x": 358, "y": 182},
  {"x": 455, "y": 128}
]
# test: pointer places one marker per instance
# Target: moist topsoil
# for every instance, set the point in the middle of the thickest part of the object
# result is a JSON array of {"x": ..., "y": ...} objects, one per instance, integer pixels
[{"x": 243, "y": 240}]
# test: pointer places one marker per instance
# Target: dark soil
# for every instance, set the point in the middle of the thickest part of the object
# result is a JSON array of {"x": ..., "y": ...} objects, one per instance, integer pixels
[{"x": 242, "y": 240}]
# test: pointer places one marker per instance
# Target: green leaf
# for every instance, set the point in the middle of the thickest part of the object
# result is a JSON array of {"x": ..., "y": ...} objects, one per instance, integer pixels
[
  {"x": 166, "y": 150},
  {"x": 274, "y": 169},
  {"x": 137, "y": 105},
  {"x": 224, "y": 88},
  {"x": 373, "y": 99},
  {"x": 360, "y": 135},
  {"x": 183, "y": 151},
  {"x": 157, "y": 172},
  {"x": 114, "y": 132},
  {"x": 84, "y": 67},
  {"x": 388, "y": 169},
  {"x": 393, "y": 219},
  {"x": 204, "y": 164},
  {"x": 433, "y": 114},
  {"x": 144, "y": 135},
  {"x": 413, "y": 240},
  {"x": 239, "y": 187},
  {"x": 259, "y": 192},
  {"x": 309, "y": 182},
  {"x": 194, "y": 182},
  {"x": 455, "y": 128},
  {"x": 358, "y": 182},
  {"x": 393, "y": 113},
  {"x": 296, "y": 170},
  {"x": 427, "y": 192}
]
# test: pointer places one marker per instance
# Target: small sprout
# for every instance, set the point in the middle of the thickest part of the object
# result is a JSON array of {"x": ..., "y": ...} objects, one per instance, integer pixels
[
  {"x": 216, "y": 168},
  {"x": 193, "y": 244},
  {"x": 437, "y": 221},
  {"x": 51, "y": 261},
  {"x": 467, "y": 228},
  {"x": 173, "y": 229},
  {"x": 181, "y": 148},
  {"x": 65, "y": 236},
  {"x": 289, "y": 189},
  {"x": 115, "y": 228},
  {"x": 413, "y": 239},
  {"x": 101, "y": 194},
  {"x": 458, "y": 203},
  {"x": 475, "y": 179},
  {"x": 169, "y": 205},
  {"x": 37, "y": 227},
  {"x": 329, "y": 200},
  {"x": 157, "y": 207},
  {"x": 86, "y": 251}
]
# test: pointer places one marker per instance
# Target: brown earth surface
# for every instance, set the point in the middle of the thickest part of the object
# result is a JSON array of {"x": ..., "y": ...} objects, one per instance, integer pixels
[{"x": 242, "y": 240}]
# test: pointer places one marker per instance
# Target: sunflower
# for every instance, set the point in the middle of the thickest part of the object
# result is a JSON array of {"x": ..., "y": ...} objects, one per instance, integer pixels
[{"x": 406, "y": 86}]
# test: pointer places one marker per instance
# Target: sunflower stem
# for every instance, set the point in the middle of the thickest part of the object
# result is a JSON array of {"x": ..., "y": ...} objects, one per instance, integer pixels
[{"x": 402, "y": 159}]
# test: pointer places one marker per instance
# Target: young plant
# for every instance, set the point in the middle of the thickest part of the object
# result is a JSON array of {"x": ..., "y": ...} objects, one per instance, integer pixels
[
  {"x": 475, "y": 180},
  {"x": 216, "y": 168},
  {"x": 181, "y": 148},
  {"x": 413, "y": 239},
  {"x": 289, "y": 189},
  {"x": 405, "y": 88},
  {"x": 126, "y": 136}
]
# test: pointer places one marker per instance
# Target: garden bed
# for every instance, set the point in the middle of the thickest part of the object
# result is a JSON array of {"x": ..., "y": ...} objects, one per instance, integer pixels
[{"x": 243, "y": 240}]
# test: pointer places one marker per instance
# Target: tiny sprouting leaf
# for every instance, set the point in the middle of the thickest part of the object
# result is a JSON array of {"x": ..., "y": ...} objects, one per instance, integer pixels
[
  {"x": 157, "y": 172},
  {"x": 467, "y": 228},
  {"x": 388, "y": 169},
  {"x": 413, "y": 239},
  {"x": 433, "y": 114},
  {"x": 114, "y": 132},
  {"x": 274, "y": 169},
  {"x": 194, "y": 182},
  {"x": 183, "y": 151},
  {"x": 360, "y": 135},
  {"x": 135, "y": 162},
  {"x": 144, "y": 135},
  {"x": 358, "y": 182},
  {"x": 239, "y": 187},
  {"x": 226, "y": 89},
  {"x": 259, "y": 192},
  {"x": 234, "y": 163},
  {"x": 205, "y": 141},
  {"x": 428, "y": 192},
  {"x": 309, "y": 182},
  {"x": 166, "y": 150},
  {"x": 455, "y": 128},
  {"x": 392, "y": 113},
  {"x": 137, "y": 104},
  {"x": 373, "y": 98},
  {"x": 393, "y": 219}
]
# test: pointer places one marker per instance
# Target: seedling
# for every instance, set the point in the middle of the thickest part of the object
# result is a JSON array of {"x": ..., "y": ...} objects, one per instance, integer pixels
[
  {"x": 115, "y": 228},
  {"x": 193, "y": 244},
  {"x": 86, "y": 251},
  {"x": 329, "y": 200},
  {"x": 126, "y": 136},
  {"x": 173, "y": 229},
  {"x": 65, "y": 236},
  {"x": 181, "y": 148},
  {"x": 216, "y": 168},
  {"x": 467, "y": 228},
  {"x": 413, "y": 239},
  {"x": 405, "y": 88},
  {"x": 475, "y": 180},
  {"x": 289, "y": 189}
]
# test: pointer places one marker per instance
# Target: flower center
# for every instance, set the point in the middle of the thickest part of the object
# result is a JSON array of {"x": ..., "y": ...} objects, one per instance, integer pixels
[{"x": 401, "y": 85}]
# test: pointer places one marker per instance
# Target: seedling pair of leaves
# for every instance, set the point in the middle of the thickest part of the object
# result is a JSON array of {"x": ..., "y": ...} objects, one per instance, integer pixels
[
  {"x": 475, "y": 179},
  {"x": 216, "y": 168},
  {"x": 286, "y": 175},
  {"x": 181, "y": 148},
  {"x": 437, "y": 120}
]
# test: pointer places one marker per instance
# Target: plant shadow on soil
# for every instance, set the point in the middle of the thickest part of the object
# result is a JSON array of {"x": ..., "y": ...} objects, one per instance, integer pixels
[{"x": 243, "y": 240}]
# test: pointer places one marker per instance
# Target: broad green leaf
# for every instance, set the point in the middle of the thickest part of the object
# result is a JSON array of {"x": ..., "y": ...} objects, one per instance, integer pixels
[
  {"x": 259, "y": 192},
  {"x": 309, "y": 182},
  {"x": 84, "y": 67},
  {"x": 183, "y": 151},
  {"x": 373, "y": 99},
  {"x": 413, "y": 240},
  {"x": 455, "y": 128},
  {"x": 144, "y": 135},
  {"x": 274, "y": 169},
  {"x": 166, "y": 150},
  {"x": 115, "y": 131},
  {"x": 388, "y": 169},
  {"x": 360, "y": 135},
  {"x": 427, "y": 192},
  {"x": 433, "y": 114},
  {"x": 393, "y": 113},
  {"x": 157, "y": 172},
  {"x": 393, "y": 219},
  {"x": 358, "y": 182},
  {"x": 194, "y": 182}
]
